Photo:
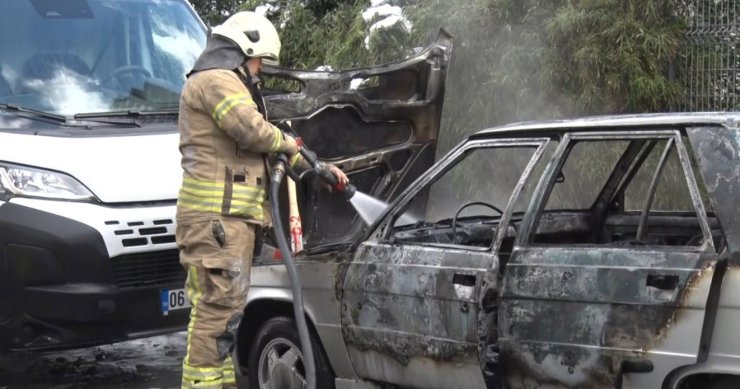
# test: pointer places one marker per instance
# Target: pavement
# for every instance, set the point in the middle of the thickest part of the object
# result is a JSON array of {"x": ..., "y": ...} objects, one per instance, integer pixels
[{"x": 150, "y": 363}]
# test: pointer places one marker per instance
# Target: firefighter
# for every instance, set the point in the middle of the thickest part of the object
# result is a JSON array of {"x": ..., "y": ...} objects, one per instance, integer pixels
[{"x": 225, "y": 140}]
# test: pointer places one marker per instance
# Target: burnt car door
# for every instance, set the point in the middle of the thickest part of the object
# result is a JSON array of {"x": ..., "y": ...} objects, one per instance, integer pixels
[
  {"x": 610, "y": 276},
  {"x": 410, "y": 296},
  {"x": 378, "y": 124}
]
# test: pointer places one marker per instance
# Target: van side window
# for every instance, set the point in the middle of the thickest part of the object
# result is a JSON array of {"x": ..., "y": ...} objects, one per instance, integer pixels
[{"x": 621, "y": 192}]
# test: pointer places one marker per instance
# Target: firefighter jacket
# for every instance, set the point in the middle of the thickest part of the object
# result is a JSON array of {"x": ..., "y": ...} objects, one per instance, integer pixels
[{"x": 224, "y": 140}]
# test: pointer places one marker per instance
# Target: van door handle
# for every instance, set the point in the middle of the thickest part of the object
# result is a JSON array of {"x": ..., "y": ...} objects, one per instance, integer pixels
[{"x": 662, "y": 281}]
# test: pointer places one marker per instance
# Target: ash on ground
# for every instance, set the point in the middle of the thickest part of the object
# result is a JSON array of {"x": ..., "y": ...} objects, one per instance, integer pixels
[{"x": 143, "y": 363}]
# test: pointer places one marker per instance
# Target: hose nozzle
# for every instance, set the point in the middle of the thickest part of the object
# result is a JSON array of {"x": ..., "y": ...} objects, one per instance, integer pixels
[
  {"x": 349, "y": 190},
  {"x": 327, "y": 176},
  {"x": 321, "y": 169}
]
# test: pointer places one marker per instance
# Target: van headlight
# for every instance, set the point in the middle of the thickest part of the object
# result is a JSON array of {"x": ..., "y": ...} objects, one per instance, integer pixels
[{"x": 29, "y": 182}]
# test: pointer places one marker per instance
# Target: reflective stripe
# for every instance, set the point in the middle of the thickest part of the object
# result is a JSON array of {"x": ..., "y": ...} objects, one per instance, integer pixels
[
  {"x": 229, "y": 380},
  {"x": 209, "y": 196},
  {"x": 197, "y": 377},
  {"x": 201, "y": 373},
  {"x": 229, "y": 375},
  {"x": 196, "y": 384},
  {"x": 194, "y": 293},
  {"x": 208, "y": 188},
  {"x": 294, "y": 159},
  {"x": 224, "y": 106},
  {"x": 277, "y": 139}
]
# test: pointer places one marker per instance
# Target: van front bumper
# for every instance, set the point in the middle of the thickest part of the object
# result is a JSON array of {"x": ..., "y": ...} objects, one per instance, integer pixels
[{"x": 61, "y": 288}]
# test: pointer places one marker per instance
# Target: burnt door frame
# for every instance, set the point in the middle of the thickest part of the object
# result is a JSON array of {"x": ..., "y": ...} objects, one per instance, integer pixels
[
  {"x": 410, "y": 311},
  {"x": 593, "y": 314},
  {"x": 382, "y": 133}
]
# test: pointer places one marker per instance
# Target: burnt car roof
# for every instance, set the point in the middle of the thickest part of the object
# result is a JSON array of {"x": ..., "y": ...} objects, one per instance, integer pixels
[{"x": 613, "y": 121}]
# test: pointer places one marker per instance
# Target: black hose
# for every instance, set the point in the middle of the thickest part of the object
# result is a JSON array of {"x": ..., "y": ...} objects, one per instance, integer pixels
[{"x": 295, "y": 284}]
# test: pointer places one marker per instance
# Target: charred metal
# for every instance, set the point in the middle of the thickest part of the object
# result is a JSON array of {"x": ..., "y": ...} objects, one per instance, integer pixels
[{"x": 624, "y": 288}]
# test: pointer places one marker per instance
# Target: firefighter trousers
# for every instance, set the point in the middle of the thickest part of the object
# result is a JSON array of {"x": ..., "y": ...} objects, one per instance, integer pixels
[{"x": 217, "y": 256}]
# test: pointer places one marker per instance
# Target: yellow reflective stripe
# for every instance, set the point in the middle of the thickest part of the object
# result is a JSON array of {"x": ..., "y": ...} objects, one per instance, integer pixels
[
  {"x": 294, "y": 159},
  {"x": 208, "y": 196},
  {"x": 196, "y": 384},
  {"x": 229, "y": 379},
  {"x": 247, "y": 190},
  {"x": 229, "y": 376},
  {"x": 194, "y": 293},
  {"x": 202, "y": 194},
  {"x": 240, "y": 208},
  {"x": 197, "y": 207},
  {"x": 206, "y": 188},
  {"x": 237, "y": 192},
  {"x": 251, "y": 200},
  {"x": 245, "y": 204},
  {"x": 257, "y": 197},
  {"x": 277, "y": 138},
  {"x": 247, "y": 212},
  {"x": 201, "y": 184},
  {"x": 201, "y": 373},
  {"x": 224, "y": 106}
]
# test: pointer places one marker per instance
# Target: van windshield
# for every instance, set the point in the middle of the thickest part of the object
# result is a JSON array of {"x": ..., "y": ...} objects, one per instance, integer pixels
[{"x": 81, "y": 56}]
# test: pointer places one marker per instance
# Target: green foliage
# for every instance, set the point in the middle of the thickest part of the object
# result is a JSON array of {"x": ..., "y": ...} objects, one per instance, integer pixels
[
  {"x": 513, "y": 60},
  {"x": 213, "y": 12},
  {"x": 615, "y": 54},
  {"x": 332, "y": 33}
]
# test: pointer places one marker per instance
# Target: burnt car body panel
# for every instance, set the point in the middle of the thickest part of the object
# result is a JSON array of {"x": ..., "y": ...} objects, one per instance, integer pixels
[
  {"x": 411, "y": 312},
  {"x": 380, "y": 126},
  {"x": 584, "y": 314},
  {"x": 555, "y": 297}
]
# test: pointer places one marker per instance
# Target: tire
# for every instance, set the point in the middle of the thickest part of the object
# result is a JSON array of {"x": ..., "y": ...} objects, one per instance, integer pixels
[{"x": 277, "y": 340}]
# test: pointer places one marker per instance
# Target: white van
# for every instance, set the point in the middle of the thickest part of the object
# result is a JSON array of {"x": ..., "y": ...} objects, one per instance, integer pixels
[{"x": 89, "y": 169}]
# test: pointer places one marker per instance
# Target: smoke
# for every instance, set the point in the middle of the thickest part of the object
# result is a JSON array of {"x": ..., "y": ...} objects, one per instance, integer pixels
[{"x": 494, "y": 76}]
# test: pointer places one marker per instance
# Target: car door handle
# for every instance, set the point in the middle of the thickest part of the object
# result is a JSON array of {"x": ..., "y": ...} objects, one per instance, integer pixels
[
  {"x": 632, "y": 366},
  {"x": 662, "y": 281},
  {"x": 464, "y": 279}
]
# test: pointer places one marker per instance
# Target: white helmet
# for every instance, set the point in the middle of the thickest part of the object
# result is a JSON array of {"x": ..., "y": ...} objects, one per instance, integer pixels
[{"x": 253, "y": 33}]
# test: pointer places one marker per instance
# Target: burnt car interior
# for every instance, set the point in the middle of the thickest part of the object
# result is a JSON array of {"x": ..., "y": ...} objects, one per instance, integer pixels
[
  {"x": 618, "y": 192},
  {"x": 466, "y": 202},
  {"x": 628, "y": 192}
]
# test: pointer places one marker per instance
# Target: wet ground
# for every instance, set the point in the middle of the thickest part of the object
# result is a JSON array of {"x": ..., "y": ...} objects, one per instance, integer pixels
[{"x": 138, "y": 364}]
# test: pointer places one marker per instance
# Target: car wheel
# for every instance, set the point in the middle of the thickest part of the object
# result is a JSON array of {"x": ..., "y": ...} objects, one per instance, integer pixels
[{"x": 276, "y": 360}]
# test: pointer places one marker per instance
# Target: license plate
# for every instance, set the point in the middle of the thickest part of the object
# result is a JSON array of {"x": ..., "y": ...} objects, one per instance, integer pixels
[{"x": 172, "y": 299}]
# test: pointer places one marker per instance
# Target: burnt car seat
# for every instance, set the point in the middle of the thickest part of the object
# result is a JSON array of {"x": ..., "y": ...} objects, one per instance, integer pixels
[{"x": 45, "y": 66}]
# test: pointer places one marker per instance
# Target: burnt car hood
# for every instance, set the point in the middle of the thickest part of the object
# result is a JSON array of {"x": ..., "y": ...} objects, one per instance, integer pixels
[{"x": 378, "y": 124}]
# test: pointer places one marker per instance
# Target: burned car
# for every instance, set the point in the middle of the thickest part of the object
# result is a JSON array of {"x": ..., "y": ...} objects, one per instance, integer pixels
[{"x": 593, "y": 253}]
